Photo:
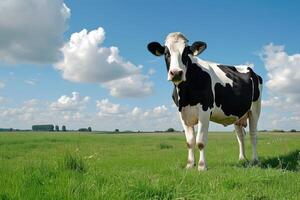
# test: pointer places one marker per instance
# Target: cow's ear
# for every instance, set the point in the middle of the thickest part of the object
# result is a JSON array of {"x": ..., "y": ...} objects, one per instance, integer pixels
[
  {"x": 198, "y": 47},
  {"x": 156, "y": 49}
]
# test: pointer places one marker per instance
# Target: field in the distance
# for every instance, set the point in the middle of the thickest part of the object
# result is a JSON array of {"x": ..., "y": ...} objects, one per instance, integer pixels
[{"x": 144, "y": 166}]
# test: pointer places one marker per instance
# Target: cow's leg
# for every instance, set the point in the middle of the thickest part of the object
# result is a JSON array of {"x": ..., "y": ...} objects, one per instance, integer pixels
[
  {"x": 201, "y": 139},
  {"x": 240, "y": 132},
  {"x": 190, "y": 142},
  {"x": 253, "y": 119}
]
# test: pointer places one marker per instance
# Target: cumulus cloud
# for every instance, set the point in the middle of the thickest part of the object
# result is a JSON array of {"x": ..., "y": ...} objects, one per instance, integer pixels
[
  {"x": 132, "y": 86},
  {"x": 283, "y": 71},
  {"x": 70, "y": 103},
  {"x": 107, "y": 108},
  {"x": 283, "y": 80},
  {"x": 137, "y": 118},
  {"x": 86, "y": 60},
  {"x": 67, "y": 110},
  {"x": 32, "y": 31},
  {"x": 26, "y": 112}
]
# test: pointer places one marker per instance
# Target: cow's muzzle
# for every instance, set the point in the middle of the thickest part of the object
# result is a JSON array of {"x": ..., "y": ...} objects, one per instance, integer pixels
[{"x": 175, "y": 75}]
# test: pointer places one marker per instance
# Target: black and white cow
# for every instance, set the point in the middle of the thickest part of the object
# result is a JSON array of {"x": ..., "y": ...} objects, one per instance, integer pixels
[{"x": 206, "y": 91}]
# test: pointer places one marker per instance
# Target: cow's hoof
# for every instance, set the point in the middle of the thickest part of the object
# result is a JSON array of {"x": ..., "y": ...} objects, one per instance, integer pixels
[
  {"x": 202, "y": 166},
  {"x": 190, "y": 165},
  {"x": 243, "y": 162},
  {"x": 242, "y": 158},
  {"x": 255, "y": 162}
]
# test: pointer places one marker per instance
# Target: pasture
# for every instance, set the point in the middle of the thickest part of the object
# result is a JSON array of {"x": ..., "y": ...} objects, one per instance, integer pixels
[{"x": 144, "y": 166}]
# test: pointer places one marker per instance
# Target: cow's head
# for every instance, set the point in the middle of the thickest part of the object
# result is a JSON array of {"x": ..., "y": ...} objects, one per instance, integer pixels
[{"x": 176, "y": 51}]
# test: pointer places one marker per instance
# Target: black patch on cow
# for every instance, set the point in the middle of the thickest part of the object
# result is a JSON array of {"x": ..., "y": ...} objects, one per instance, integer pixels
[
  {"x": 175, "y": 96},
  {"x": 256, "y": 81},
  {"x": 167, "y": 58},
  {"x": 196, "y": 89},
  {"x": 236, "y": 99}
]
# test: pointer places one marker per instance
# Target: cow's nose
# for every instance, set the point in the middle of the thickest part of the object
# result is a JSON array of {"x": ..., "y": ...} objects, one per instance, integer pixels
[
  {"x": 176, "y": 72},
  {"x": 176, "y": 75}
]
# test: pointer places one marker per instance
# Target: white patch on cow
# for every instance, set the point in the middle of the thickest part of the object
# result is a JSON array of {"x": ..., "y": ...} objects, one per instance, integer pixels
[
  {"x": 177, "y": 89},
  {"x": 219, "y": 117},
  {"x": 242, "y": 68},
  {"x": 190, "y": 114},
  {"x": 216, "y": 74}
]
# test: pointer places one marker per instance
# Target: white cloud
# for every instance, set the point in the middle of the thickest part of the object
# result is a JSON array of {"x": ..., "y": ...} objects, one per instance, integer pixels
[
  {"x": 283, "y": 80},
  {"x": 31, "y": 31},
  {"x": 67, "y": 110},
  {"x": 70, "y": 103},
  {"x": 283, "y": 71},
  {"x": 132, "y": 86},
  {"x": 25, "y": 112},
  {"x": 107, "y": 108},
  {"x": 122, "y": 117},
  {"x": 30, "y": 81},
  {"x": 86, "y": 60}
]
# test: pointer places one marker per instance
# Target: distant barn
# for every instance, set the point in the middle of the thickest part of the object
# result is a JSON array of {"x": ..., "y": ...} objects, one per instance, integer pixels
[{"x": 44, "y": 127}]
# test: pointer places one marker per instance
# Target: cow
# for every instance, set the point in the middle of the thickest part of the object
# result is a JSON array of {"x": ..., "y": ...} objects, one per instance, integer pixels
[{"x": 206, "y": 91}]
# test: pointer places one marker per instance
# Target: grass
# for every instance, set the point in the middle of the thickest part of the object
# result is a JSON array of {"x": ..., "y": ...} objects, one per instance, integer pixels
[
  {"x": 144, "y": 166},
  {"x": 74, "y": 162}
]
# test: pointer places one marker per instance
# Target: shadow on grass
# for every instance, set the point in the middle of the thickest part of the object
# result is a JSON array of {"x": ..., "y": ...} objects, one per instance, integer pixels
[
  {"x": 289, "y": 161},
  {"x": 164, "y": 145}
]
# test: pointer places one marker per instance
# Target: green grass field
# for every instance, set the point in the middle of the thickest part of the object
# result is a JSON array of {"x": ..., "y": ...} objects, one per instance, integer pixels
[{"x": 144, "y": 166}]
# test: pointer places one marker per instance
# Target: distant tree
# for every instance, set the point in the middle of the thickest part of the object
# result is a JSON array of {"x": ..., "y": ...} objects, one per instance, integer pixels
[
  {"x": 170, "y": 130},
  {"x": 89, "y": 129},
  {"x": 44, "y": 127},
  {"x": 293, "y": 130},
  {"x": 63, "y": 128},
  {"x": 117, "y": 130},
  {"x": 56, "y": 128}
]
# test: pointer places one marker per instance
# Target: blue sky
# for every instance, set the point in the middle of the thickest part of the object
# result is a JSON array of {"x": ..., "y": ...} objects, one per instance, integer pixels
[{"x": 34, "y": 88}]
